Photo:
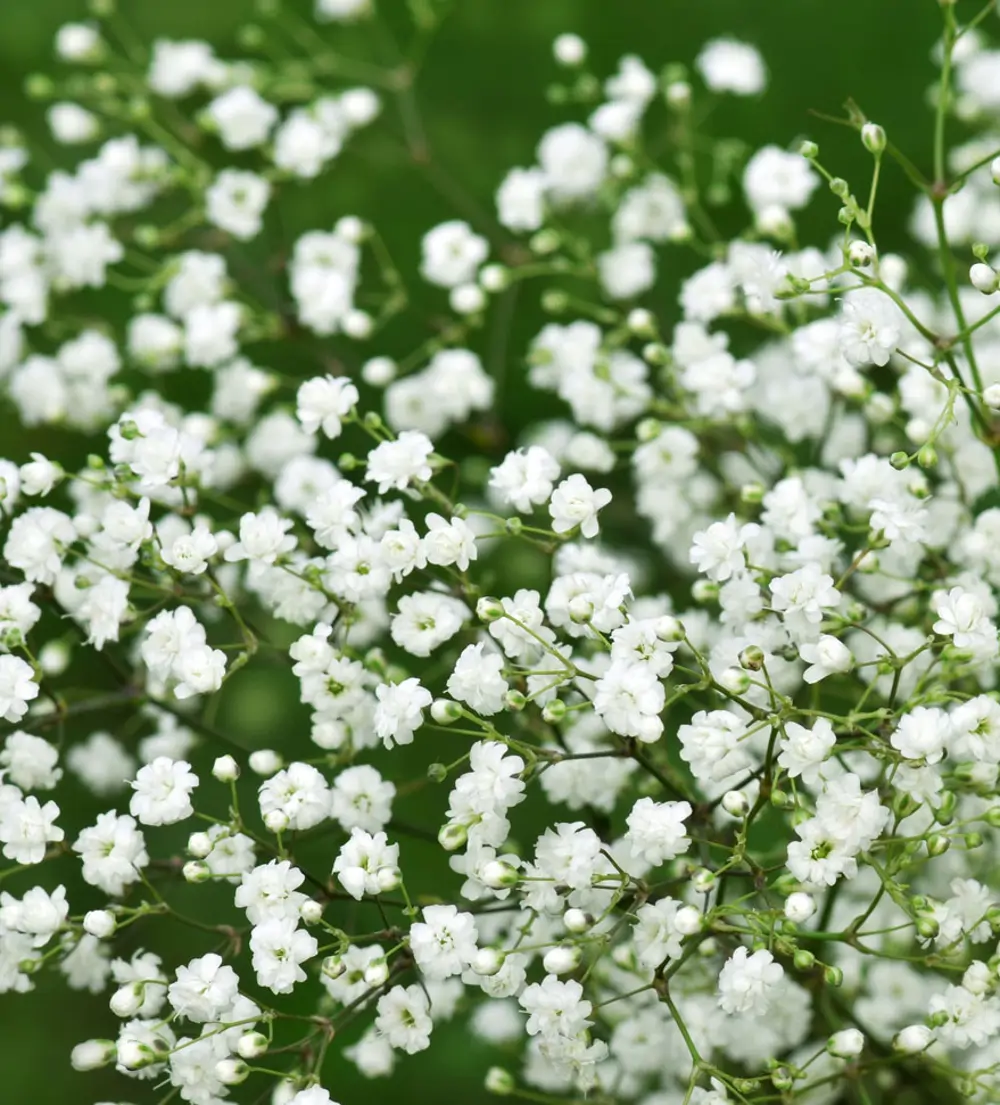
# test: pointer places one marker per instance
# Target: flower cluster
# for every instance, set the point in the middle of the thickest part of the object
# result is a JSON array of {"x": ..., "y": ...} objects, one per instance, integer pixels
[{"x": 657, "y": 745}]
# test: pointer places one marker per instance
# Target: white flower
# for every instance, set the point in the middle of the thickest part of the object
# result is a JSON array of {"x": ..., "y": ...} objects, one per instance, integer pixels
[
  {"x": 403, "y": 1018},
  {"x": 323, "y": 403},
  {"x": 278, "y": 949},
  {"x": 573, "y": 160},
  {"x": 38, "y": 914},
  {"x": 400, "y": 710},
  {"x": 26, "y": 827},
  {"x": 113, "y": 852},
  {"x": 803, "y": 751},
  {"x": 449, "y": 542},
  {"x": 870, "y": 327},
  {"x": 655, "y": 933},
  {"x": 361, "y": 798},
  {"x": 451, "y": 254},
  {"x": 444, "y": 943},
  {"x": 923, "y": 733},
  {"x": 521, "y": 199},
  {"x": 775, "y": 178},
  {"x": 29, "y": 762},
  {"x": 656, "y": 830},
  {"x": 628, "y": 270},
  {"x": 629, "y": 698},
  {"x": 242, "y": 118},
  {"x": 426, "y": 620},
  {"x": 162, "y": 792},
  {"x": 235, "y": 202},
  {"x": 178, "y": 68},
  {"x": 727, "y": 65},
  {"x": 189, "y": 553},
  {"x": 477, "y": 680},
  {"x": 398, "y": 463},
  {"x": 300, "y": 793},
  {"x": 264, "y": 537},
  {"x": 555, "y": 1008},
  {"x": 960, "y": 615},
  {"x": 204, "y": 989},
  {"x": 199, "y": 670},
  {"x": 270, "y": 892},
  {"x": 747, "y": 982},
  {"x": 17, "y": 687},
  {"x": 575, "y": 503},
  {"x": 718, "y": 551},
  {"x": 525, "y": 478},
  {"x": 827, "y": 656},
  {"x": 363, "y": 861}
]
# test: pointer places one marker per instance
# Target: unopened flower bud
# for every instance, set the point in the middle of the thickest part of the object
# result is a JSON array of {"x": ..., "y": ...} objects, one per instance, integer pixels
[
  {"x": 581, "y": 609},
  {"x": 251, "y": 1045},
  {"x": 577, "y": 921},
  {"x": 554, "y": 711},
  {"x": 669, "y": 629},
  {"x": 276, "y": 821},
  {"x": 357, "y": 324},
  {"x": 995, "y": 170},
  {"x": 562, "y": 960},
  {"x": 499, "y": 1081},
  {"x": 735, "y": 803},
  {"x": 937, "y": 844},
  {"x": 641, "y": 322},
  {"x": 735, "y": 680},
  {"x": 494, "y": 278},
  {"x": 913, "y": 1038},
  {"x": 333, "y": 967},
  {"x": 569, "y": 50},
  {"x": 444, "y": 711},
  {"x": 388, "y": 879},
  {"x": 649, "y": 429},
  {"x": 703, "y": 880},
  {"x": 515, "y": 700},
  {"x": 983, "y": 278},
  {"x": 196, "y": 871},
  {"x": 100, "y": 923},
  {"x": 848, "y": 1043},
  {"x": 487, "y": 962},
  {"x": 688, "y": 920},
  {"x": 833, "y": 976},
  {"x": 752, "y": 493},
  {"x": 231, "y": 1072},
  {"x": 126, "y": 1001},
  {"x": 752, "y": 658},
  {"x": 809, "y": 150},
  {"x": 453, "y": 836},
  {"x": 467, "y": 299},
  {"x": 873, "y": 137},
  {"x": 489, "y": 609},
  {"x": 92, "y": 1054},
  {"x": 678, "y": 94},
  {"x": 656, "y": 353},
  {"x": 226, "y": 769},
  {"x": 311, "y": 912},
  {"x": 498, "y": 874},
  {"x": 265, "y": 762},
  {"x": 799, "y": 907},
  {"x": 860, "y": 254},
  {"x": 991, "y": 396},
  {"x": 804, "y": 960},
  {"x": 199, "y": 845},
  {"x": 376, "y": 973}
]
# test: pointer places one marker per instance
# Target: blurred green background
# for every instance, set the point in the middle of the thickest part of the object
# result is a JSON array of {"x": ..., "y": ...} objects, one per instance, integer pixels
[{"x": 482, "y": 97}]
